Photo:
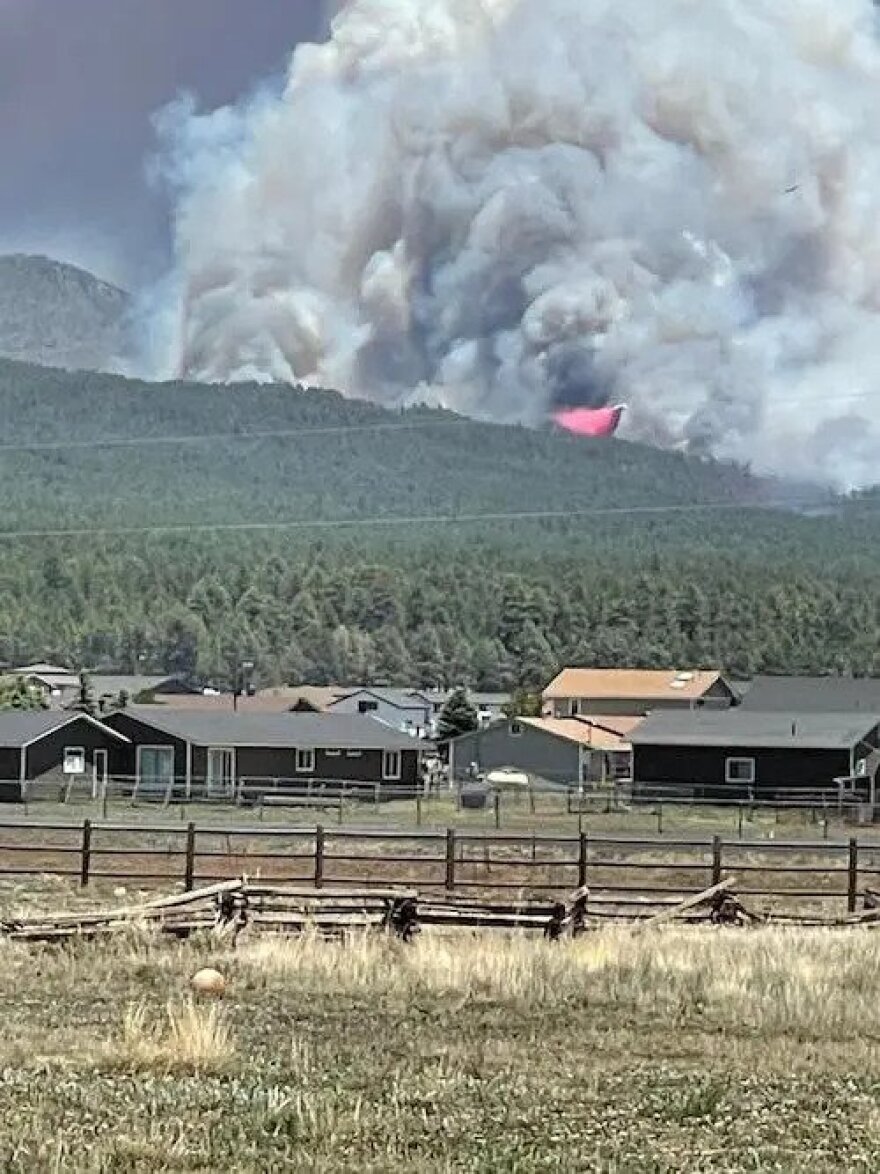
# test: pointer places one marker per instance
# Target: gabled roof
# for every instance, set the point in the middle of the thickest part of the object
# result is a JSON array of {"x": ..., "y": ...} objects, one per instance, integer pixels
[
  {"x": 814, "y": 694},
  {"x": 319, "y": 731},
  {"x": 622, "y": 684},
  {"x": 573, "y": 730},
  {"x": 22, "y": 727},
  {"x": 396, "y": 698},
  {"x": 280, "y": 699},
  {"x": 745, "y": 729}
]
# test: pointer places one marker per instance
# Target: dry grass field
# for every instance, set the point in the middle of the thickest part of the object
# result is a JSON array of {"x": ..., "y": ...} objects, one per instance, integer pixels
[{"x": 673, "y": 1050}]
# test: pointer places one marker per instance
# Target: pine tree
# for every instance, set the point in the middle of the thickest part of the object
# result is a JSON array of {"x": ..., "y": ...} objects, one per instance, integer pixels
[
  {"x": 458, "y": 716},
  {"x": 85, "y": 696}
]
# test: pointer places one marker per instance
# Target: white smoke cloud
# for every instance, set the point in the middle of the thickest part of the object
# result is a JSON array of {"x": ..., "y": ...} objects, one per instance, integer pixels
[{"x": 502, "y": 204}]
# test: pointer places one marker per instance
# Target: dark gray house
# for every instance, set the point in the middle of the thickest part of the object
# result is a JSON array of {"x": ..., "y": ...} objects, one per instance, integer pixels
[
  {"x": 216, "y": 754},
  {"x": 740, "y": 753},
  {"x": 568, "y": 751},
  {"x": 49, "y": 746}
]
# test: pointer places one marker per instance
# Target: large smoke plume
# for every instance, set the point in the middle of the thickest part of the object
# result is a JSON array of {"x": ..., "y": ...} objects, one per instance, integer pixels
[{"x": 508, "y": 205}]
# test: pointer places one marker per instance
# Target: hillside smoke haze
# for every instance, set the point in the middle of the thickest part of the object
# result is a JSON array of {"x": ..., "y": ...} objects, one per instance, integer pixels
[{"x": 508, "y": 207}]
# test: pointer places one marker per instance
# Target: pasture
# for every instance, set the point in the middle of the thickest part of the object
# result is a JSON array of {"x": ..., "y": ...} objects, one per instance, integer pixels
[{"x": 667, "y": 1050}]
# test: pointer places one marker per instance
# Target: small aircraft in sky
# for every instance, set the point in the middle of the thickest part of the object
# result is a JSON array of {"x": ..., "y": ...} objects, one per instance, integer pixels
[{"x": 590, "y": 421}]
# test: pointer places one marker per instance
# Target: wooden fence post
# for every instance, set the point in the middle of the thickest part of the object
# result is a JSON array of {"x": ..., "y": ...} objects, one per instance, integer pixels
[
  {"x": 582, "y": 861},
  {"x": 716, "y": 860},
  {"x": 86, "y": 860},
  {"x": 450, "y": 858},
  {"x": 189, "y": 873},
  {"x": 497, "y": 803},
  {"x": 319, "y": 856},
  {"x": 852, "y": 875}
]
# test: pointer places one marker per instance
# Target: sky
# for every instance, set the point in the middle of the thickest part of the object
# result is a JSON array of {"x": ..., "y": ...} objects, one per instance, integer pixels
[{"x": 79, "y": 82}]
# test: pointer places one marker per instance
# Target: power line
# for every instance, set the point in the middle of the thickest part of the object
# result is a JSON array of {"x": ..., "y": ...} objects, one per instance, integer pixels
[
  {"x": 414, "y": 520},
  {"x": 213, "y": 437},
  {"x": 199, "y": 438}
]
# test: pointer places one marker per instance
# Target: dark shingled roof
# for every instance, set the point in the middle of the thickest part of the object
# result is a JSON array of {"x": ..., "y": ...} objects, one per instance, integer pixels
[
  {"x": 814, "y": 694},
  {"x": 744, "y": 728},
  {"x": 319, "y": 731},
  {"x": 19, "y": 727}
]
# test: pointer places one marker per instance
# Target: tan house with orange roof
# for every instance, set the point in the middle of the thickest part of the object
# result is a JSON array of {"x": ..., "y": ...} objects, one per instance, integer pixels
[{"x": 577, "y": 692}]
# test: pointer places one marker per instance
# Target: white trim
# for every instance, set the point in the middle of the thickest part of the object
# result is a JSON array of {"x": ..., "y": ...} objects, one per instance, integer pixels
[
  {"x": 75, "y": 717},
  {"x": 302, "y": 751},
  {"x": 220, "y": 750},
  {"x": 98, "y": 785},
  {"x": 729, "y": 762},
  {"x": 333, "y": 753},
  {"x": 79, "y": 750},
  {"x": 389, "y": 775},
  {"x": 138, "y": 755}
]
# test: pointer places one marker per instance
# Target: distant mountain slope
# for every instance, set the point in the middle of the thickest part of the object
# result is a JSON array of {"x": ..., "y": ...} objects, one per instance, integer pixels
[
  {"x": 57, "y": 315},
  {"x": 317, "y": 456}
]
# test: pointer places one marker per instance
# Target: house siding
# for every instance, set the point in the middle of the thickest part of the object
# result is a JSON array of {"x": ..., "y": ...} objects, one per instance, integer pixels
[
  {"x": 700, "y": 770},
  {"x": 532, "y": 751},
  {"x": 266, "y": 762},
  {"x": 123, "y": 761},
  {"x": 412, "y": 719}
]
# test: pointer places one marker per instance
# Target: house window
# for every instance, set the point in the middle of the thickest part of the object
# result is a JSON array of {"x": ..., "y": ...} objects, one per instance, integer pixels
[
  {"x": 368, "y": 706},
  {"x": 739, "y": 770},
  {"x": 155, "y": 768},
  {"x": 353, "y": 753},
  {"x": 574, "y": 707},
  {"x": 305, "y": 762},
  {"x": 391, "y": 764},
  {"x": 333, "y": 753},
  {"x": 516, "y": 729},
  {"x": 74, "y": 760}
]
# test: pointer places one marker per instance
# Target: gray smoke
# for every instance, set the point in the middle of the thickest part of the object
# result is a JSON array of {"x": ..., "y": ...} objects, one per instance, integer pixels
[{"x": 505, "y": 205}]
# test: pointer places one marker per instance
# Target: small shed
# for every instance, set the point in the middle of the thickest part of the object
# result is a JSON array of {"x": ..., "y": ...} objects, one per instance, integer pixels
[{"x": 565, "y": 751}]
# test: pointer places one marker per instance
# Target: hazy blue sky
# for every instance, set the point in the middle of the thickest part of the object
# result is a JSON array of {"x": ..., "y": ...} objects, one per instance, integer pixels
[{"x": 79, "y": 80}]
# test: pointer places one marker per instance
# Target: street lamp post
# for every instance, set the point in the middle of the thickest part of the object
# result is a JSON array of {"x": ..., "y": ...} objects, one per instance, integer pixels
[{"x": 242, "y": 685}]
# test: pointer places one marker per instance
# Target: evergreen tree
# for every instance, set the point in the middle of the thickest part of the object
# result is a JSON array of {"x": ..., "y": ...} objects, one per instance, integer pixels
[
  {"x": 458, "y": 716},
  {"x": 85, "y": 696},
  {"x": 15, "y": 693}
]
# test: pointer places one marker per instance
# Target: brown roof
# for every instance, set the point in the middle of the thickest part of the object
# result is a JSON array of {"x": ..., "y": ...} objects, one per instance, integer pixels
[
  {"x": 621, "y": 684},
  {"x": 278, "y": 700},
  {"x": 574, "y": 730}
]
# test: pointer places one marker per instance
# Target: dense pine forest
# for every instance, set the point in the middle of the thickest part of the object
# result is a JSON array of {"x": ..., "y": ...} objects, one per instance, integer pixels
[{"x": 351, "y": 580}]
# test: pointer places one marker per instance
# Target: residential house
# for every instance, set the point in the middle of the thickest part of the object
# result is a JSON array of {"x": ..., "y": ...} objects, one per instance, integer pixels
[
  {"x": 47, "y": 747},
  {"x": 740, "y": 754},
  {"x": 635, "y": 692},
  {"x": 216, "y": 753},
  {"x": 565, "y": 751},
  {"x": 409, "y": 711},
  {"x": 277, "y": 699},
  {"x": 60, "y": 686},
  {"x": 490, "y": 707}
]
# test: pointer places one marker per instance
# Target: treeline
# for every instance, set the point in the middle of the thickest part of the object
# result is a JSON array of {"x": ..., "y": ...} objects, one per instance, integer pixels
[
  {"x": 456, "y": 612},
  {"x": 385, "y": 596}
]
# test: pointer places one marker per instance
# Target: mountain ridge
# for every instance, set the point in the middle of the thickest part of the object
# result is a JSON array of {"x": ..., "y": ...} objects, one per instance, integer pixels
[{"x": 59, "y": 315}]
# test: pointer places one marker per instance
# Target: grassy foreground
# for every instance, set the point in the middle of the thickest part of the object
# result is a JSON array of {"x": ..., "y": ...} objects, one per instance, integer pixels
[{"x": 675, "y": 1050}]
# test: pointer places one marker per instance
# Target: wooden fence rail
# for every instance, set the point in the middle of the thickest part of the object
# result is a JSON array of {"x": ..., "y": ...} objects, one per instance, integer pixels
[{"x": 623, "y": 873}]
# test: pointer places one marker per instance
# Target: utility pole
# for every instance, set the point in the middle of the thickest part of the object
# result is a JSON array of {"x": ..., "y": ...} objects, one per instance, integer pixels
[{"x": 242, "y": 684}]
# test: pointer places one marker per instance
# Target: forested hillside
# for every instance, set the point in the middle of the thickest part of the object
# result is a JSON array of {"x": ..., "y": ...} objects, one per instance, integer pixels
[{"x": 486, "y": 600}]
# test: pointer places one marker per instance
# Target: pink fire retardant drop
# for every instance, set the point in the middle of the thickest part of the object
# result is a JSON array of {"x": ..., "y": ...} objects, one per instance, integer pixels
[{"x": 590, "y": 421}]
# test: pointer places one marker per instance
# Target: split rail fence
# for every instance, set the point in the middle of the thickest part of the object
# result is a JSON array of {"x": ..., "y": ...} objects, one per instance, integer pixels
[{"x": 626, "y": 876}]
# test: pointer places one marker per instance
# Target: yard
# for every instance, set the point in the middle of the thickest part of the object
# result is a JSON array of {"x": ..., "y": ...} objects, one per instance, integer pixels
[{"x": 681, "y": 1049}]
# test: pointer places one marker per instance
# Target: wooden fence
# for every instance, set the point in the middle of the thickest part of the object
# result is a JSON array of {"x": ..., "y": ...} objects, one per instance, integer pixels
[{"x": 626, "y": 875}]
